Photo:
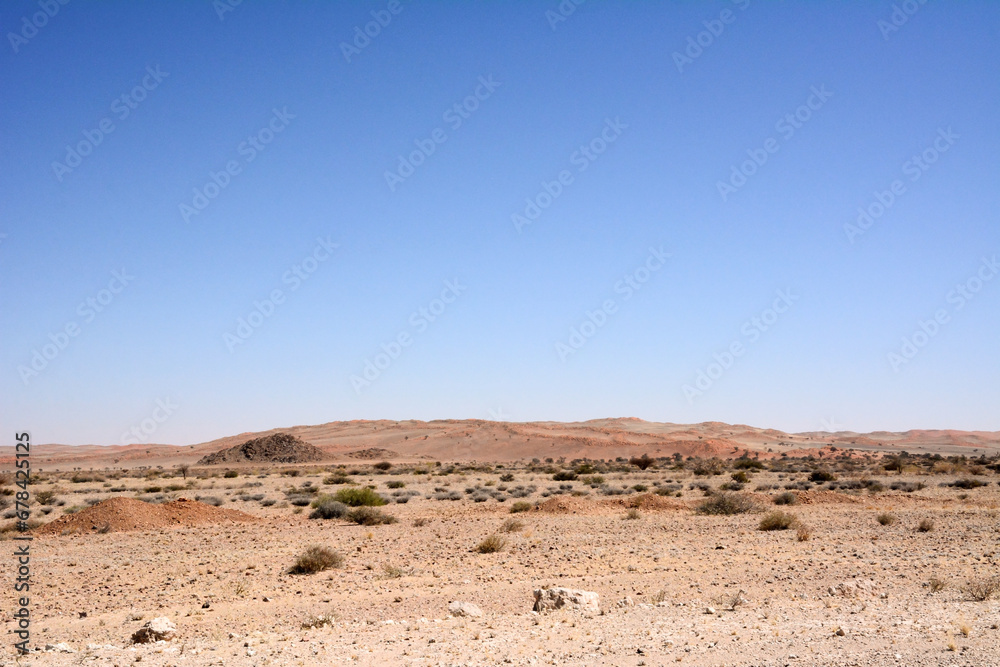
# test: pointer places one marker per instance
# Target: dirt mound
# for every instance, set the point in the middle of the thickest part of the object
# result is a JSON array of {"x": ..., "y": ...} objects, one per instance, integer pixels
[
  {"x": 373, "y": 453},
  {"x": 277, "y": 448},
  {"x": 566, "y": 505},
  {"x": 648, "y": 501},
  {"x": 122, "y": 514}
]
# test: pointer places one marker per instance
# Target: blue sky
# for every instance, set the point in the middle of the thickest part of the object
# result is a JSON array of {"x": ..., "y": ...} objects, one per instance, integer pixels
[{"x": 614, "y": 123}]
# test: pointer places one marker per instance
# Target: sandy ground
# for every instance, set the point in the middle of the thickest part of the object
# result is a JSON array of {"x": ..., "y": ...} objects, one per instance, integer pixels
[{"x": 226, "y": 588}]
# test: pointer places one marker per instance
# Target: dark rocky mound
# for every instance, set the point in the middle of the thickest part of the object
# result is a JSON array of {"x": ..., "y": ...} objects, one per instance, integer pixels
[
  {"x": 373, "y": 453},
  {"x": 277, "y": 448}
]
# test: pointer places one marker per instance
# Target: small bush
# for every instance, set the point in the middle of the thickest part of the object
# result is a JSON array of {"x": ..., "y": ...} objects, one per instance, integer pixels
[
  {"x": 45, "y": 497},
  {"x": 564, "y": 476},
  {"x": 520, "y": 506},
  {"x": 925, "y": 525},
  {"x": 382, "y": 465},
  {"x": 633, "y": 514},
  {"x": 786, "y": 498},
  {"x": 727, "y": 503},
  {"x": 395, "y": 484},
  {"x": 210, "y": 500},
  {"x": 748, "y": 464},
  {"x": 936, "y": 584},
  {"x": 421, "y": 522},
  {"x": 507, "y": 477},
  {"x": 886, "y": 518},
  {"x": 491, "y": 544},
  {"x": 231, "y": 474},
  {"x": 327, "y": 507},
  {"x": 337, "y": 478},
  {"x": 981, "y": 590},
  {"x": 642, "y": 462},
  {"x": 316, "y": 559},
  {"x": 778, "y": 521},
  {"x": 359, "y": 497},
  {"x": 803, "y": 532},
  {"x": 740, "y": 477},
  {"x": 369, "y": 516},
  {"x": 968, "y": 483},
  {"x": 512, "y": 526},
  {"x": 822, "y": 476}
]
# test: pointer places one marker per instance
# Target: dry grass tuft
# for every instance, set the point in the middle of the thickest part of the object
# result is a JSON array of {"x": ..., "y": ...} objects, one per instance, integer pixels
[
  {"x": 778, "y": 521},
  {"x": 491, "y": 544},
  {"x": 316, "y": 559},
  {"x": 886, "y": 518}
]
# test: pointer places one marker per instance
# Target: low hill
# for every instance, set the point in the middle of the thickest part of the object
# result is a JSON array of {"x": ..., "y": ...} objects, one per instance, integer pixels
[{"x": 274, "y": 448}]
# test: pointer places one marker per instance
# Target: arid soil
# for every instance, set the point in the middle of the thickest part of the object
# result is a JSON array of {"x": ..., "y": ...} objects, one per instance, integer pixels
[{"x": 855, "y": 581}]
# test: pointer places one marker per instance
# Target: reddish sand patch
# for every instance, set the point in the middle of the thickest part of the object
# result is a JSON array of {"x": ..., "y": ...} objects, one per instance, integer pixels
[
  {"x": 566, "y": 505},
  {"x": 124, "y": 514}
]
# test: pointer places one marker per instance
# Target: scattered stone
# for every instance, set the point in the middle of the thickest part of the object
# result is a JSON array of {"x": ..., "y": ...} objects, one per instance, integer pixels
[
  {"x": 461, "y": 609},
  {"x": 58, "y": 648},
  {"x": 709, "y": 610},
  {"x": 626, "y": 602},
  {"x": 851, "y": 589},
  {"x": 547, "y": 599},
  {"x": 158, "y": 629}
]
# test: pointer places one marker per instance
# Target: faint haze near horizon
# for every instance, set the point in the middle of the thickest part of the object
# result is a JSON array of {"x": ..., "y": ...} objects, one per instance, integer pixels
[{"x": 776, "y": 214}]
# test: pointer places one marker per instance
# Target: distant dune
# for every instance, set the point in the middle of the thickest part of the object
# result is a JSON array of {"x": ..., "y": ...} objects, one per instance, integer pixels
[{"x": 476, "y": 439}]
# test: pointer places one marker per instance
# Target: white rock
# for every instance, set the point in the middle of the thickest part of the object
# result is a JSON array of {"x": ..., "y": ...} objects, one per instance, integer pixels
[
  {"x": 59, "y": 648},
  {"x": 156, "y": 630},
  {"x": 709, "y": 610},
  {"x": 457, "y": 608},
  {"x": 555, "y": 598}
]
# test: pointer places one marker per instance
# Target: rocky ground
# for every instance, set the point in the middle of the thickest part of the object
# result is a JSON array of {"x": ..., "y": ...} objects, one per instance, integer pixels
[{"x": 669, "y": 581}]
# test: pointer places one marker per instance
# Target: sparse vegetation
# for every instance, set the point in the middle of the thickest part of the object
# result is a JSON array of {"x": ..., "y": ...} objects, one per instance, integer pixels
[
  {"x": 491, "y": 544},
  {"x": 925, "y": 525},
  {"x": 520, "y": 506},
  {"x": 786, "y": 498},
  {"x": 370, "y": 516},
  {"x": 511, "y": 526},
  {"x": 981, "y": 589},
  {"x": 886, "y": 518},
  {"x": 727, "y": 503},
  {"x": 328, "y": 507},
  {"x": 316, "y": 559},
  {"x": 936, "y": 584},
  {"x": 633, "y": 514},
  {"x": 359, "y": 497},
  {"x": 778, "y": 521}
]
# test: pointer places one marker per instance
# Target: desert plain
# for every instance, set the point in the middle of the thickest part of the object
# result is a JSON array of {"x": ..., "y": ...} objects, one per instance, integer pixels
[{"x": 706, "y": 544}]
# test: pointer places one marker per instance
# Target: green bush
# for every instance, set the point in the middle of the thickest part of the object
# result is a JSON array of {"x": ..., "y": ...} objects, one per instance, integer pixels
[
  {"x": 395, "y": 484},
  {"x": 564, "y": 476},
  {"x": 230, "y": 474},
  {"x": 359, "y": 497},
  {"x": 822, "y": 476}
]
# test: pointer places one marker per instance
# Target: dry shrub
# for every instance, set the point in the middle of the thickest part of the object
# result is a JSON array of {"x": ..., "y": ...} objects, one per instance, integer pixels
[
  {"x": 316, "y": 559},
  {"x": 778, "y": 521},
  {"x": 926, "y": 525},
  {"x": 803, "y": 533},
  {"x": 512, "y": 526},
  {"x": 633, "y": 514},
  {"x": 786, "y": 498},
  {"x": 520, "y": 506},
  {"x": 981, "y": 589},
  {"x": 936, "y": 584},
  {"x": 421, "y": 522},
  {"x": 369, "y": 516},
  {"x": 491, "y": 544},
  {"x": 727, "y": 503},
  {"x": 886, "y": 518}
]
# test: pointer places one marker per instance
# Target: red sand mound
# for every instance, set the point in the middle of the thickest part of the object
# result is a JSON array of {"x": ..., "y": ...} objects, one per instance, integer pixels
[
  {"x": 121, "y": 514},
  {"x": 276, "y": 448},
  {"x": 648, "y": 501}
]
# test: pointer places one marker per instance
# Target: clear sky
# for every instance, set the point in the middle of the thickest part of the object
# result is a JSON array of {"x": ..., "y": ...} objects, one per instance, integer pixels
[{"x": 221, "y": 218}]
